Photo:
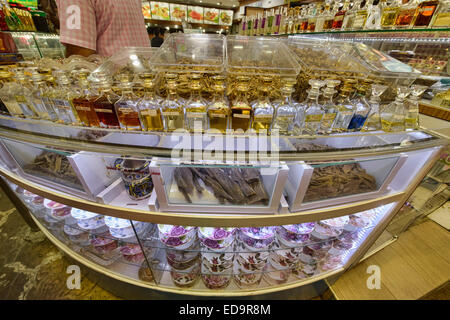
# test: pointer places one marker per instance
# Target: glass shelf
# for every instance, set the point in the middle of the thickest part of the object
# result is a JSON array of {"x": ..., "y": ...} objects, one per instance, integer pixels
[{"x": 405, "y": 31}]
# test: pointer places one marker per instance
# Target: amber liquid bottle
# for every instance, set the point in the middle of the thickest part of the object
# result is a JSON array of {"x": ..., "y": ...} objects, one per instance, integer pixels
[
  {"x": 424, "y": 13},
  {"x": 83, "y": 103},
  {"x": 241, "y": 111},
  {"x": 150, "y": 106},
  {"x": 104, "y": 107}
]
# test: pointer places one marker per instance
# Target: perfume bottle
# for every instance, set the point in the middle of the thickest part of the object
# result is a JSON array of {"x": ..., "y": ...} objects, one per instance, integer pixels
[
  {"x": 329, "y": 17},
  {"x": 262, "y": 28},
  {"x": 255, "y": 25},
  {"x": 350, "y": 16},
  {"x": 424, "y": 13},
  {"x": 389, "y": 13},
  {"x": 241, "y": 111},
  {"x": 172, "y": 108},
  {"x": 344, "y": 107},
  {"x": 296, "y": 23},
  {"x": 7, "y": 94},
  {"x": 127, "y": 106},
  {"x": 373, "y": 122},
  {"x": 61, "y": 98},
  {"x": 406, "y": 14},
  {"x": 82, "y": 101},
  {"x": 263, "y": 109},
  {"x": 313, "y": 111},
  {"x": 249, "y": 26},
  {"x": 219, "y": 109},
  {"x": 441, "y": 18},
  {"x": 303, "y": 20},
  {"x": 362, "y": 109},
  {"x": 45, "y": 112},
  {"x": 321, "y": 18},
  {"x": 150, "y": 105},
  {"x": 286, "y": 111},
  {"x": 312, "y": 19},
  {"x": 329, "y": 107},
  {"x": 270, "y": 22},
  {"x": 393, "y": 115},
  {"x": 412, "y": 107},
  {"x": 196, "y": 116},
  {"x": 373, "y": 20},
  {"x": 339, "y": 16},
  {"x": 104, "y": 105},
  {"x": 361, "y": 16}
]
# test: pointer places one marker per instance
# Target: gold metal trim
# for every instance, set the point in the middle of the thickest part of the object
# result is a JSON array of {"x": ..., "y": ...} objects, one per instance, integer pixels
[
  {"x": 203, "y": 220},
  {"x": 194, "y": 292}
]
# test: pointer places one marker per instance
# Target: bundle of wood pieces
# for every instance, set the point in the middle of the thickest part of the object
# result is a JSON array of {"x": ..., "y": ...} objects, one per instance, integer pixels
[
  {"x": 232, "y": 185},
  {"x": 337, "y": 181}
]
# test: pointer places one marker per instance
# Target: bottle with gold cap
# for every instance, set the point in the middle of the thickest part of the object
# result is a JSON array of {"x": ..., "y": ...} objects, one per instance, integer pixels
[
  {"x": 196, "y": 116},
  {"x": 219, "y": 108},
  {"x": 313, "y": 110},
  {"x": 263, "y": 110},
  {"x": 171, "y": 108},
  {"x": 62, "y": 97},
  {"x": 241, "y": 111},
  {"x": 104, "y": 104},
  {"x": 329, "y": 107},
  {"x": 286, "y": 111},
  {"x": 345, "y": 108},
  {"x": 127, "y": 106},
  {"x": 82, "y": 101},
  {"x": 150, "y": 105},
  {"x": 412, "y": 107}
]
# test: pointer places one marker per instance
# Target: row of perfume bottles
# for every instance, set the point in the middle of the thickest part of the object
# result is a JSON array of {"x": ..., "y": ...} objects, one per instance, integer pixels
[
  {"x": 360, "y": 16},
  {"x": 97, "y": 105}
]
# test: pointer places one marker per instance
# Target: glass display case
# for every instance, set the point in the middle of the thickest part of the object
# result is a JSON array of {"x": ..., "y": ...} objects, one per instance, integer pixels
[
  {"x": 35, "y": 45},
  {"x": 232, "y": 212}
]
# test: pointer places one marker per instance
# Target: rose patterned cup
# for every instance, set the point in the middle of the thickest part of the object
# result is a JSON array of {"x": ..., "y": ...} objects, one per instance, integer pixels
[
  {"x": 216, "y": 280},
  {"x": 274, "y": 276},
  {"x": 176, "y": 236},
  {"x": 244, "y": 279},
  {"x": 257, "y": 238},
  {"x": 331, "y": 227},
  {"x": 216, "y": 238},
  {"x": 185, "y": 278}
]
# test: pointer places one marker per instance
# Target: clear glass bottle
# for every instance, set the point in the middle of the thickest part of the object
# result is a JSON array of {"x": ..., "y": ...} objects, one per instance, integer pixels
[
  {"x": 196, "y": 116},
  {"x": 82, "y": 101},
  {"x": 313, "y": 110},
  {"x": 340, "y": 15},
  {"x": 44, "y": 111},
  {"x": 412, "y": 107},
  {"x": 373, "y": 122},
  {"x": 303, "y": 19},
  {"x": 150, "y": 105},
  {"x": 362, "y": 109},
  {"x": 7, "y": 94},
  {"x": 286, "y": 111},
  {"x": 127, "y": 106},
  {"x": 61, "y": 98},
  {"x": 263, "y": 110},
  {"x": 361, "y": 16},
  {"x": 329, "y": 107},
  {"x": 270, "y": 22},
  {"x": 296, "y": 24},
  {"x": 424, "y": 13},
  {"x": 441, "y": 18},
  {"x": 321, "y": 18},
  {"x": 350, "y": 16},
  {"x": 104, "y": 105},
  {"x": 406, "y": 14},
  {"x": 345, "y": 109},
  {"x": 393, "y": 115},
  {"x": 219, "y": 108},
  {"x": 172, "y": 108},
  {"x": 241, "y": 111},
  {"x": 373, "y": 21}
]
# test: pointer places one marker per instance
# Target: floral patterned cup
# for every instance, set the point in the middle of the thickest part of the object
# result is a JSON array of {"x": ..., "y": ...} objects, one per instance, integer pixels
[
  {"x": 250, "y": 267},
  {"x": 216, "y": 238},
  {"x": 244, "y": 279},
  {"x": 257, "y": 238},
  {"x": 359, "y": 220},
  {"x": 57, "y": 211},
  {"x": 274, "y": 276},
  {"x": 103, "y": 245},
  {"x": 177, "y": 255},
  {"x": 88, "y": 220},
  {"x": 185, "y": 278},
  {"x": 216, "y": 280},
  {"x": 291, "y": 240},
  {"x": 249, "y": 255},
  {"x": 331, "y": 227},
  {"x": 176, "y": 236},
  {"x": 132, "y": 253},
  {"x": 183, "y": 265},
  {"x": 122, "y": 228},
  {"x": 76, "y": 235}
]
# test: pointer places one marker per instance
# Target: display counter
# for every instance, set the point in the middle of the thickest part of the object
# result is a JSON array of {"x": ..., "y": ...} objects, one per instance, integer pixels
[{"x": 219, "y": 213}]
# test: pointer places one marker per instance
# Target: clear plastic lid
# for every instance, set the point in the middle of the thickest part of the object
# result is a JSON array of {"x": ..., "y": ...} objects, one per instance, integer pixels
[
  {"x": 260, "y": 56},
  {"x": 191, "y": 52},
  {"x": 358, "y": 59},
  {"x": 131, "y": 60}
]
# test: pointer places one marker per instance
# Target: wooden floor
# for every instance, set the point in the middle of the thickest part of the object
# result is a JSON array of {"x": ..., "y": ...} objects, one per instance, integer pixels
[{"x": 413, "y": 267}]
